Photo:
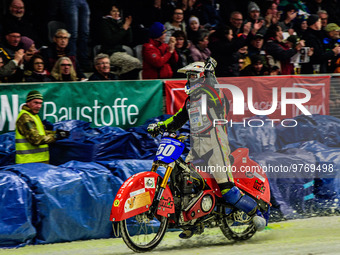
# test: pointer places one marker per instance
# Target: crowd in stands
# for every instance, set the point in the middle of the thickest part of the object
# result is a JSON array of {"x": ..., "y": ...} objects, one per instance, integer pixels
[{"x": 152, "y": 39}]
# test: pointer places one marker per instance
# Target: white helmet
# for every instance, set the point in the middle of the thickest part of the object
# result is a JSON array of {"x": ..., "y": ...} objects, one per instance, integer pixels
[{"x": 193, "y": 71}]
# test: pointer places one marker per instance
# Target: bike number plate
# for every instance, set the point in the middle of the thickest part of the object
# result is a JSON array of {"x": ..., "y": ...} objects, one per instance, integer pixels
[{"x": 169, "y": 150}]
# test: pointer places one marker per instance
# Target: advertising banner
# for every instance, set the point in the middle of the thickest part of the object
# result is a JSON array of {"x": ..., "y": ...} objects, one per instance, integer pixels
[
  {"x": 277, "y": 97},
  {"x": 105, "y": 103},
  {"x": 175, "y": 95}
]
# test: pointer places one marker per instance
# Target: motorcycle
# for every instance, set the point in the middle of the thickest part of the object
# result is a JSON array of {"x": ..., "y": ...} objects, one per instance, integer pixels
[{"x": 186, "y": 197}]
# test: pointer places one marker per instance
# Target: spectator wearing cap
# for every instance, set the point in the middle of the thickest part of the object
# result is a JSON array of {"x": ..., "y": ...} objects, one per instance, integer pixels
[
  {"x": 300, "y": 26},
  {"x": 158, "y": 55},
  {"x": 331, "y": 39},
  {"x": 29, "y": 48},
  {"x": 31, "y": 138},
  {"x": 193, "y": 28},
  {"x": 313, "y": 38},
  {"x": 254, "y": 16},
  {"x": 256, "y": 46},
  {"x": 11, "y": 52},
  {"x": 256, "y": 68}
]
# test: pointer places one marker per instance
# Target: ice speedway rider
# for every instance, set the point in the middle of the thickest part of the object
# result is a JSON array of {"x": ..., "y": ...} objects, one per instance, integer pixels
[{"x": 208, "y": 142}]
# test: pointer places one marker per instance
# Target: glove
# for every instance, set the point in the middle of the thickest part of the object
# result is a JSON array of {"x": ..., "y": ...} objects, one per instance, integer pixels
[
  {"x": 153, "y": 129},
  {"x": 62, "y": 134}
]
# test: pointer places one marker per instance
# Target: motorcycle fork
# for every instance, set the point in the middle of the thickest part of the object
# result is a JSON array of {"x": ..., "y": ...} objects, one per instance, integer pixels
[{"x": 167, "y": 174}]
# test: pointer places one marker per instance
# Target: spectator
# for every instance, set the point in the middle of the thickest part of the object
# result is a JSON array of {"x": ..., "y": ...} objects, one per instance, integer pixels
[
  {"x": 298, "y": 5},
  {"x": 76, "y": 16},
  {"x": 29, "y": 48},
  {"x": 206, "y": 12},
  {"x": 103, "y": 69},
  {"x": 63, "y": 70},
  {"x": 236, "y": 23},
  {"x": 241, "y": 64},
  {"x": 183, "y": 52},
  {"x": 16, "y": 19},
  {"x": 157, "y": 55},
  {"x": 116, "y": 32},
  {"x": 256, "y": 68},
  {"x": 199, "y": 47},
  {"x": 278, "y": 52},
  {"x": 177, "y": 23},
  {"x": 300, "y": 26},
  {"x": 60, "y": 48},
  {"x": 11, "y": 52},
  {"x": 272, "y": 15},
  {"x": 36, "y": 70},
  {"x": 193, "y": 28},
  {"x": 256, "y": 46},
  {"x": 331, "y": 39},
  {"x": 9, "y": 68},
  {"x": 224, "y": 48},
  {"x": 288, "y": 18},
  {"x": 323, "y": 15},
  {"x": 330, "y": 7},
  {"x": 275, "y": 70},
  {"x": 255, "y": 18},
  {"x": 31, "y": 138},
  {"x": 313, "y": 37},
  {"x": 243, "y": 53}
]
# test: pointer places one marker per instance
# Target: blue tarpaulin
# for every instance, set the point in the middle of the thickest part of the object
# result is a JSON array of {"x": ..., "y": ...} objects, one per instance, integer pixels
[
  {"x": 71, "y": 199},
  {"x": 16, "y": 213},
  {"x": 289, "y": 188}
]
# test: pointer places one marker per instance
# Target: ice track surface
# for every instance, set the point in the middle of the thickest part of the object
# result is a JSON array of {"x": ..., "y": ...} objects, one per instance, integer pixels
[{"x": 312, "y": 236}]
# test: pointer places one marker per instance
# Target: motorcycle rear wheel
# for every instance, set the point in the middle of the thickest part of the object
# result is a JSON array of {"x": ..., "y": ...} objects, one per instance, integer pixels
[
  {"x": 141, "y": 234},
  {"x": 237, "y": 226}
]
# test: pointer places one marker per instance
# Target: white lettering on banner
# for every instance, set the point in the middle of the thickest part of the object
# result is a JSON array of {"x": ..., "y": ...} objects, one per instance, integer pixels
[
  {"x": 52, "y": 114},
  {"x": 256, "y": 122},
  {"x": 314, "y": 109},
  {"x": 120, "y": 113},
  {"x": 117, "y": 114},
  {"x": 6, "y": 113},
  {"x": 238, "y": 100}
]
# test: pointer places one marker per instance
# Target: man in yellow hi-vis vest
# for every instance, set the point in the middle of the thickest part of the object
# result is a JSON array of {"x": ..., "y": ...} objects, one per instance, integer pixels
[{"x": 31, "y": 138}]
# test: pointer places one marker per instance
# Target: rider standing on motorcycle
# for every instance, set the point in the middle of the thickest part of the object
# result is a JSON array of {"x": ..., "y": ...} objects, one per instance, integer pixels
[{"x": 209, "y": 142}]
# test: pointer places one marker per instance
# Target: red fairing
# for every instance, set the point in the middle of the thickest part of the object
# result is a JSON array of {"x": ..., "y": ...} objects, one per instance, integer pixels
[
  {"x": 210, "y": 180},
  {"x": 249, "y": 176},
  {"x": 136, "y": 194}
]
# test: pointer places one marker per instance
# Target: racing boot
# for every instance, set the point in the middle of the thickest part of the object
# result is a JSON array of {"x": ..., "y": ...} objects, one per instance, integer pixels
[
  {"x": 246, "y": 204},
  {"x": 187, "y": 233}
]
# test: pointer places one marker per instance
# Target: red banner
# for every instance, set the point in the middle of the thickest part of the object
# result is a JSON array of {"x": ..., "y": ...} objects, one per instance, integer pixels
[
  {"x": 278, "y": 97},
  {"x": 175, "y": 95}
]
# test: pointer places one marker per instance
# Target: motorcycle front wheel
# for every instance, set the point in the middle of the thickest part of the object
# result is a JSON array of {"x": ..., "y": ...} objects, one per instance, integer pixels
[
  {"x": 237, "y": 225},
  {"x": 141, "y": 234}
]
